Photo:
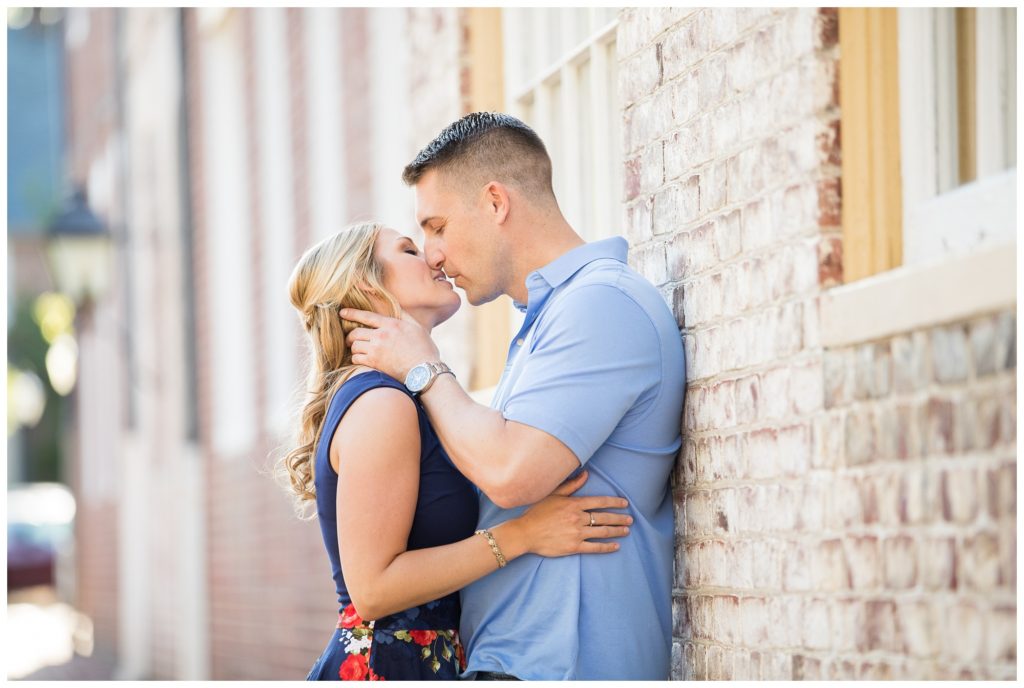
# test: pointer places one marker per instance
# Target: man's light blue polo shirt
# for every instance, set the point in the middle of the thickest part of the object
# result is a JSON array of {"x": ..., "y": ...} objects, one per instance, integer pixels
[{"x": 599, "y": 365}]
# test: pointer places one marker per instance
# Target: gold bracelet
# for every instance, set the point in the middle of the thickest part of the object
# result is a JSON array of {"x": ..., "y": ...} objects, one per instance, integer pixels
[{"x": 494, "y": 547}]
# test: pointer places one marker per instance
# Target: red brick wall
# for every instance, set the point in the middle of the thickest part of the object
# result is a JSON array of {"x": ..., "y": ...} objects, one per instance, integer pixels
[
  {"x": 356, "y": 73},
  {"x": 272, "y": 605},
  {"x": 831, "y": 522},
  {"x": 91, "y": 121}
]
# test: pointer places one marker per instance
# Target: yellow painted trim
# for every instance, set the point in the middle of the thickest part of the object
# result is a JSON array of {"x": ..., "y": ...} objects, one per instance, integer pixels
[
  {"x": 487, "y": 92},
  {"x": 872, "y": 211},
  {"x": 966, "y": 92}
]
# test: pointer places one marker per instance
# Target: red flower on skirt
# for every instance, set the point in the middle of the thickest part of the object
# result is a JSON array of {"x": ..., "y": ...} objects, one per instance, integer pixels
[
  {"x": 354, "y": 668},
  {"x": 350, "y": 618},
  {"x": 423, "y": 637}
]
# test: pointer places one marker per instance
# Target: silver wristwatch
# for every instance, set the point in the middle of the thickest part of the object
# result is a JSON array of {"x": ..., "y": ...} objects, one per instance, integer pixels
[{"x": 422, "y": 376}]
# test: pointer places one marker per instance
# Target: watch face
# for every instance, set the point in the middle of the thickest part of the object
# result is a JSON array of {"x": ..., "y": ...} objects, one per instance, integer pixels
[{"x": 417, "y": 378}]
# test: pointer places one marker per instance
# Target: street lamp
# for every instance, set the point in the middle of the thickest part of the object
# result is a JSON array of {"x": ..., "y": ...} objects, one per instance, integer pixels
[{"x": 79, "y": 251}]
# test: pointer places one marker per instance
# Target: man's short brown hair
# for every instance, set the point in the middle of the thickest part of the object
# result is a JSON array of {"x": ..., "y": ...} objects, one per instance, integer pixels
[{"x": 487, "y": 144}]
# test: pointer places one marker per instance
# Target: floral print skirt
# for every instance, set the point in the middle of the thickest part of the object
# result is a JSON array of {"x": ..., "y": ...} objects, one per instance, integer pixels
[{"x": 409, "y": 646}]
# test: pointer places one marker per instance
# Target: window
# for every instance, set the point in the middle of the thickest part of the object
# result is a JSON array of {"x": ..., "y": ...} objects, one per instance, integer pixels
[
  {"x": 561, "y": 79},
  {"x": 958, "y": 138}
]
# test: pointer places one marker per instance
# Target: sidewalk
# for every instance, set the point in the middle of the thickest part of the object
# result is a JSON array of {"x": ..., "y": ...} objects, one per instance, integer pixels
[{"x": 47, "y": 639}]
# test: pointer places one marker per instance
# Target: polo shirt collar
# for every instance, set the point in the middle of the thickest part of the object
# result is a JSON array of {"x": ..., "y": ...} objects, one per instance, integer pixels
[{"x": 569, "y": 263}]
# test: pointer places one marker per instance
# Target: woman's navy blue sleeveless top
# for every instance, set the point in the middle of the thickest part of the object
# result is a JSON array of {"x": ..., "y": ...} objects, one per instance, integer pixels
[{"x": 446, "y": 507}]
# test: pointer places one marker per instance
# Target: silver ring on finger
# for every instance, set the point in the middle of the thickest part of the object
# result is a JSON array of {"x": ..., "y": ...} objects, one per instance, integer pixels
[{"x": 591, "y": 519}]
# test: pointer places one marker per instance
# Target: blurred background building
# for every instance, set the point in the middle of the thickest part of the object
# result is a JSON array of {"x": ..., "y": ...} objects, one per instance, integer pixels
[{"x": 846, "y": 495}]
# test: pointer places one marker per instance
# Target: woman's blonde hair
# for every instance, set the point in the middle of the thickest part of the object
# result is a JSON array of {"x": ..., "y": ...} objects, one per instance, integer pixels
[{"x": 341, "y": 271}]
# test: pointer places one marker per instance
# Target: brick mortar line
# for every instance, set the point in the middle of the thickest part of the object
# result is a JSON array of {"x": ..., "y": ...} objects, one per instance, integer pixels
[
  {"x": 738, "y": 374},
  {"x": 869, "y": 470},
  {"x": 939, "y": 529},
  {"x": 853, "y": 656},
  {"x": 1000, "y": 377},
  {"x": 987, "y": 598},
  {"x": 1003, "y": 381}
]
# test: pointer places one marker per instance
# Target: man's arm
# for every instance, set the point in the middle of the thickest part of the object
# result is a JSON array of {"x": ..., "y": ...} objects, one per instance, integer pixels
[{"x": 514, "y": 464}]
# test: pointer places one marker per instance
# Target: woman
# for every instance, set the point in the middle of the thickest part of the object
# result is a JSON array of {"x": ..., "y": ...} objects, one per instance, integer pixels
[{"x": 397, "y": 518}]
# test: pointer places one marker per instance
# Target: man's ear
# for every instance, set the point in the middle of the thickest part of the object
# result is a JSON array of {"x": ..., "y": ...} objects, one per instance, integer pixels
[{"x": 496, "y": 198}]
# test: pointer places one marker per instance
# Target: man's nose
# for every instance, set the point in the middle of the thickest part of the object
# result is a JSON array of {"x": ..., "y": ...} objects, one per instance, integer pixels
[{"x": 433, "y": 255}]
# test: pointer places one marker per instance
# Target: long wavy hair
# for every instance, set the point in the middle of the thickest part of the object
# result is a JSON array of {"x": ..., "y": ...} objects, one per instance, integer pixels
[{"x": 339, "y": 272}]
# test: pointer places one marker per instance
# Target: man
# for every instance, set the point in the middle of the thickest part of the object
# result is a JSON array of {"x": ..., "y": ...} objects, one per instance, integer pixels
[{"x": 594, "y": 377}]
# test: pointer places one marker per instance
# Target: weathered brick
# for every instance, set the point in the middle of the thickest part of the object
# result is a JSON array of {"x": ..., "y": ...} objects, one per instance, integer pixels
[
  {"x": 742, "y": 62},
  {"x": 643, "y": 123},
  {"x": 987, "y": 410},
  {"x": 692, "y": 252},
  {"x": 727, "y": 235},
  {"x": 979, "y": 561},
  {"x": 796, "y": 568},
  {"x": 807, "y": 668},
  {"x": 830, "y": 571},
  {"x": 639, "y": 225},
  {"x": 1006, "y": 335},
  {"x": 742, "y": 667},
  {"x": 748, "y": 394},
  {"x": 721, "y": 29},
  {"x": 811, "y": 516},
  {"x": 713, "y": 178},
  {"x": 887, "y": 491},
  {"x": 911, "y": 357},
  {"x": 901, "y": 559},
  {"x": 685, "y": 97},
  {"x": 688, "y": 148},
  {"x": 726, "y": 618},
  {"x": 949, "y": 353},
  {"x": 775, "y": 400},
  {"x": 965, "y": 632},
  {"x": 745, "y": 172},
  {"x": 863, "y": 558},
  {"x": 838, "y": 370},
  {"x": 756, "y": 117},
  {"x": 860, "y": 436},
  {"x": 983, "y": 346},
  {"x": 767, "y": 564},
  {"x": 817, "y": 630},
  {"x": 938, "y": 563},
  {"x": 828, "y": 441},
  {"x": 881, "y": 630},
  {"x": 714, "y": 86},
  {"x": 1001, "y": 635},
  {"x": 649, "y": 261},
  {"x": 685, "y": 44},
  {"x": 959, "y": 495},
  {"x": 640, "y": 74},
  {"x": 801, "y": 31},
  {"x": 754, "y": 621},
  {"x": 674, "y": 207},
  {"x": 652, "y": 168},
  {"x": 756, "y": 225},
  {"x": 939, "y": 426},
  {"x": 702, "y": 300}
]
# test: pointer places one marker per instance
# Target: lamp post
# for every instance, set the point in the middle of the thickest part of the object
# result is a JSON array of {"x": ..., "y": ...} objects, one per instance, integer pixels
[{"x": 79, "y": 251}]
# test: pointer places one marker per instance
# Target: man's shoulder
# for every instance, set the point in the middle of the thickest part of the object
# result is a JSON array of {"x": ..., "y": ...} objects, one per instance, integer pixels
[{"x": 604, "y": 287}]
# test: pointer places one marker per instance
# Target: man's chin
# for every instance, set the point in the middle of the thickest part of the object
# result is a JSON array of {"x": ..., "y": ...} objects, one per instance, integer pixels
[{"x": 480, "y": 299}]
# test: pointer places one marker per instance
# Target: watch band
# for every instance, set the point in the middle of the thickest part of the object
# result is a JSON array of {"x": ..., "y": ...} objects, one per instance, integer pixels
[{"x": 437, "y": 369}]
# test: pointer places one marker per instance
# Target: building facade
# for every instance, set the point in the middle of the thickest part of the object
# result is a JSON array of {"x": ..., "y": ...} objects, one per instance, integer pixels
[{"x": 846, "y": 494}]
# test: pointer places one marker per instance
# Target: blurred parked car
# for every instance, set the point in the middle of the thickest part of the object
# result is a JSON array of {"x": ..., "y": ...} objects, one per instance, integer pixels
[{"x": 39, "y": 524}]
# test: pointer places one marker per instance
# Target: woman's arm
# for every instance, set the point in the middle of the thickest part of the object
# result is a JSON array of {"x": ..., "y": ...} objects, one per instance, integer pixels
[{"x": 378, "y": 484}]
